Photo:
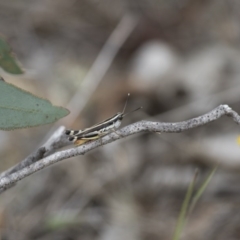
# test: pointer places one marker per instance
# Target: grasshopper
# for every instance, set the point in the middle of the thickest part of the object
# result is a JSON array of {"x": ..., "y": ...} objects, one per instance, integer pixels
[{"x": 79, "y": 137}]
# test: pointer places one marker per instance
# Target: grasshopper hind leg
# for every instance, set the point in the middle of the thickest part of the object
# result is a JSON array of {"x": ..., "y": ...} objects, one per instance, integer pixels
[{"x": 76, "y": 140}]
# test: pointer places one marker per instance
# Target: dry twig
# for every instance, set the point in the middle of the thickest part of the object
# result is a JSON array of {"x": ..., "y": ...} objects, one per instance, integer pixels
[{"x": 142, "y": 126}]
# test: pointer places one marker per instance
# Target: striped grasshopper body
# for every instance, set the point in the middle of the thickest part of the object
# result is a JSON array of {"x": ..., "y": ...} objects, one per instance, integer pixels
[{"x": 79, "y": 137}]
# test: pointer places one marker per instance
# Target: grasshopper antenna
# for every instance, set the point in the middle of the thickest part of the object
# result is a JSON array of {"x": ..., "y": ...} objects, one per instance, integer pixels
[
  {"x": 125, "y": 103},
  {"x": 132, "y": 111}
]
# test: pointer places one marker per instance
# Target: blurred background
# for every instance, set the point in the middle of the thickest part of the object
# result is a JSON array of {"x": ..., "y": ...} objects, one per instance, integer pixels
[{"x": 178, "y": 59}]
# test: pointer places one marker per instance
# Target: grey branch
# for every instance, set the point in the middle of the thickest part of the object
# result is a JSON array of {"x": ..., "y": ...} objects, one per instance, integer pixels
[
  {"x": 56, "y": 141},
  {"x": 138, "y": 127}
]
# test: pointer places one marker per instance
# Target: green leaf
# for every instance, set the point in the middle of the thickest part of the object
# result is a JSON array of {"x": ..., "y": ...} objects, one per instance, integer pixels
[
  {"x": 7, "y": 60},
  {"x": 21, "y": 109}
]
